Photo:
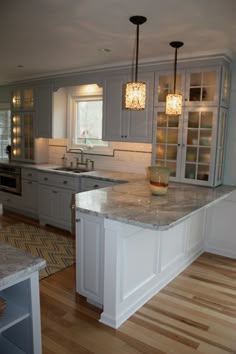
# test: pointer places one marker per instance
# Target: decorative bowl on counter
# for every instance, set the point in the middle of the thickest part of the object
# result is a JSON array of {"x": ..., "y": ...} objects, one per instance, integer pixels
[{"x": 159, "y": 179}]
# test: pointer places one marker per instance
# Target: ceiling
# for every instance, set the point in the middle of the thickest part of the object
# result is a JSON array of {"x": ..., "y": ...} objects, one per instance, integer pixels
[{"x": 46, "y": 37}]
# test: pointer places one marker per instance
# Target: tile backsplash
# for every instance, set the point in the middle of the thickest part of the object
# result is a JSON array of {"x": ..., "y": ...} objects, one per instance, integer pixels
[{"x": 127, "y": 157}]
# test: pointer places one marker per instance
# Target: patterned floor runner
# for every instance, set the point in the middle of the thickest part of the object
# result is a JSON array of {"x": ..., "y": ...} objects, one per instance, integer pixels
[{"x": 57, "y": 250}]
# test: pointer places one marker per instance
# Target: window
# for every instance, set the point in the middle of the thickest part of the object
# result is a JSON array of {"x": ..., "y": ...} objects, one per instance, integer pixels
[
  {"x": 5, "y": 131},
  {"x": 85, "y": 124}
]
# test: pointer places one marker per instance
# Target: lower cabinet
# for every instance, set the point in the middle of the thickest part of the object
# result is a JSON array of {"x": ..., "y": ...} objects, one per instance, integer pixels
[
  {"x": 29, "y": 191},
  {"x": 89, "y": 257},
  {"x": 88, "y": 183},
  {"x": 55, "y": 200}
]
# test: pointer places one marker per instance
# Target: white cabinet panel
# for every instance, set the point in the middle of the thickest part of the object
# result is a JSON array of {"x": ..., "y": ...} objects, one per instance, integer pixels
[{"x": 126, "y": 125}]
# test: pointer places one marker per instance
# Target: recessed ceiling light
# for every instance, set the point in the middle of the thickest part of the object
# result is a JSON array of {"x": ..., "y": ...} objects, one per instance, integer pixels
[{"x": 106, "y": 50}]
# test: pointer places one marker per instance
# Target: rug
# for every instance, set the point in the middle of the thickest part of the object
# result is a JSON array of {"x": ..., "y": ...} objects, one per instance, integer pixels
[{"x": 57, "y": 250}]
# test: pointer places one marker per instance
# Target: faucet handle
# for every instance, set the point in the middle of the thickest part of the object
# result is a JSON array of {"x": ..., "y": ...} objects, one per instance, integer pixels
[{"x": 87, "y": 163}]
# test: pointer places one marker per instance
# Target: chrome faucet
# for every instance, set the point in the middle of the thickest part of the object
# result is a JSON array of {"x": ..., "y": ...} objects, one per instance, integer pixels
[{"x": 81, "y": 158}]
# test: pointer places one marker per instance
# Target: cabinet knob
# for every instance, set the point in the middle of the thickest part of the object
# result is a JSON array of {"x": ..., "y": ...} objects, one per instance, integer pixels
[
  {"x": 65, "y": 182},
  {"x": 29, "y": 174},
  {"x": 77, "y": 220},
  {"x": 45, "y": 179},
  {"x": 29, "y": 182},
  {"x": 55, "y": 192},
  {"x": 96, "y": 186}
]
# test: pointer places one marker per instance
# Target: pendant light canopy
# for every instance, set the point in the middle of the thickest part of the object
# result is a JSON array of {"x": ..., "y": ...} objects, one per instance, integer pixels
[
  {"x": 174, "y": 100},
  {"x": 135, "y": 92}
]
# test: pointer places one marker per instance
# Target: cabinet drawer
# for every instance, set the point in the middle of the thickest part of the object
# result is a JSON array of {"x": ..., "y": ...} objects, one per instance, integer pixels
[
  {"x": 88, "y": 184},
  {"x": 56, "y": 180},
  {"x": 27, "y": 173}
]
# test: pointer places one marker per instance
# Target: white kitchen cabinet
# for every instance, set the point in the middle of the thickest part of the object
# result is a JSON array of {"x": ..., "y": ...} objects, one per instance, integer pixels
[
  {"x": 11, "y": 201},
  {"x": 88, "y": 183},
  {"x": 89, "y": 257},
  {"x": 192, "y": 144},
  {"x": 43, "y": 111},
  {"x": 126, "y": 125},
  {"x": 55, "y": 200},
  {"x": 29, "y": 191}
]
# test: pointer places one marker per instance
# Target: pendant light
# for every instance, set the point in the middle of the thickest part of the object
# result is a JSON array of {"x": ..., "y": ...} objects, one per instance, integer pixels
[
  {"x": 135, "y": 92},
  {"x": 174, "y": 100}
]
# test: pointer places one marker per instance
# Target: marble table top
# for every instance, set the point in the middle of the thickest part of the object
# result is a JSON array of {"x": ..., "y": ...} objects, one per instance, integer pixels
[
  {"x": 133, "y": 203},
  {"x": 15, "y": 263}
]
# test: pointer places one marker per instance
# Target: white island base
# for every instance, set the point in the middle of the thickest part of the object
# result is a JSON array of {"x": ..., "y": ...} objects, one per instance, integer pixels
[{"x": 121, "y": 266}]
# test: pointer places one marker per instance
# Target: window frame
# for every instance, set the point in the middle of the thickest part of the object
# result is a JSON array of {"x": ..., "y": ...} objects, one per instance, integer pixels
[{"x": 89, "y": 148}]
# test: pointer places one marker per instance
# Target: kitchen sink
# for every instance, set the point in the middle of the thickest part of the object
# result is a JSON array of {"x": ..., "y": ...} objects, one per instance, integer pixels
[{"x": 71, "y": 169}]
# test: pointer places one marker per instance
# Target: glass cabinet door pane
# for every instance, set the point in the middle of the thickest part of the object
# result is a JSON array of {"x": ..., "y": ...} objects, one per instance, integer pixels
[
  {"x": 28, "y": 136},
  {"x": 203, "y": 86},
  {"x": 162, "y": 120},
  {"x": 28, "y": 98},
  {"x": 16, "y": 99},
  {"x": 16, "y": 136},
  {"x": 166, "y": 86}
]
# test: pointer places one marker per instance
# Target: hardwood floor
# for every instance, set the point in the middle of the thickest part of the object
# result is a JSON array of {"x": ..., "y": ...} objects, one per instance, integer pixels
[{"x": 195, "y": 313}]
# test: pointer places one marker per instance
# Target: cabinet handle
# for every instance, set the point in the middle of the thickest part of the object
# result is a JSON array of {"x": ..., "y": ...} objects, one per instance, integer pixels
[
  {"x": 77, "y": 220},
  {"x": 65, "y": 182},
  {"x": 96, "y": 186},
  {"x": 45, "y": 179},
  {"x": 55, "y": 192},
  {"x": 29, "y": 182},
  {"x": 29, "y": 174}
]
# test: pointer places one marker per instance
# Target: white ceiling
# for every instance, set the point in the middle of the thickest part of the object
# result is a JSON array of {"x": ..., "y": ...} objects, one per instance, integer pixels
[{"x": 59, "y": 36}]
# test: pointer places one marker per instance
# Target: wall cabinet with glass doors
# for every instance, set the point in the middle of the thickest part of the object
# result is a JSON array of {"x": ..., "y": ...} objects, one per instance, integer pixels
[
  {"x": 22, "y": 124},
  {"x": 192, "y": 144}
]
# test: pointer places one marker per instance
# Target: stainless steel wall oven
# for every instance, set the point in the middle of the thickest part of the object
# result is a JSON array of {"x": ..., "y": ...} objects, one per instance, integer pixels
[{"x": 10, "y": 179}]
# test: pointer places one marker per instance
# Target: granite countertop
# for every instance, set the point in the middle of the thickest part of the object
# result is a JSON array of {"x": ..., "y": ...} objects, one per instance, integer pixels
[
  {"x": 133, "y": 203},
  {"x": 106, "y": 175},
  {"x": 15, "y": 264}
]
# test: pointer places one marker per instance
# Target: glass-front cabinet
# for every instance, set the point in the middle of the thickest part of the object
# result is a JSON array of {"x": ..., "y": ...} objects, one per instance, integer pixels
[
  {"x": 192, "y": 144},
  {"x": 22, "y": 124}
]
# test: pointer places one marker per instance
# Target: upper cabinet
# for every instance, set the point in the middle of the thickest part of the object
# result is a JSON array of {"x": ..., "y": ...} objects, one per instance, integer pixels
[
  {"x": 43, "y": 111},
  {"x": 192, "y": 144},
  {"x": 22, "y": 99},
  {"x": 126, "y": 125}
]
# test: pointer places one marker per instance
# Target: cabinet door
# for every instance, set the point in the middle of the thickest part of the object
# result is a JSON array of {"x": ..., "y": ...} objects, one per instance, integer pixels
[
  {"x": 23, "y": 99},
  {"x": 138, "y": 126},
  {"x": 23, "y": 136},
  {"x": 225, "y": 87},
  {"x": 199, "y": 144},
  {"x": 43, "y": 109},
  {"x": 164, "y": 84},
  {"x": 167, "y": 142},
  {"x": 30, "y": 195},
  {"x": 120, "y": 124},
  {"x": 112, "y": 108},
  {"x": 220, "y": 147},
  {"x": 202, "y": 86}
]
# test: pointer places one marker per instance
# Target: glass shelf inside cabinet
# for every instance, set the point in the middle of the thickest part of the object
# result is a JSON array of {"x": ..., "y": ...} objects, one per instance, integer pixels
[
  {"x": 202, "y": 86},
  {"x": 16, "y": 135},
  {"x": 167, "y": 142}
]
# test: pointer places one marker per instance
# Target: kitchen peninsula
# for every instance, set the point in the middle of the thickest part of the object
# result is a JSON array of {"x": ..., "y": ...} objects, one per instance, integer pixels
[{"x": 130, "y": 244}]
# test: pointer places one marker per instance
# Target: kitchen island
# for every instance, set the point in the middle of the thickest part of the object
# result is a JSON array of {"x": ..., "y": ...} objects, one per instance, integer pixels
[
  {"x": 20, "y": 325},
  {"x": 130, "y": 244}
]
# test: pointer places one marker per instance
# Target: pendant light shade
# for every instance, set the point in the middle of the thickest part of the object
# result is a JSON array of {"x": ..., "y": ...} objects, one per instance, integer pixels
[
  {"x": 135, "y": 92},
  {"x": 174, "y": 100}
]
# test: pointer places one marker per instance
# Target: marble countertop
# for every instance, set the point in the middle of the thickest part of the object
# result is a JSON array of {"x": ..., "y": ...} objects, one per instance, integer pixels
[
  {"x": 106, "y": 175},
  {"x": 133, "y": 203},
  {"x": 15, "y": 264}
]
